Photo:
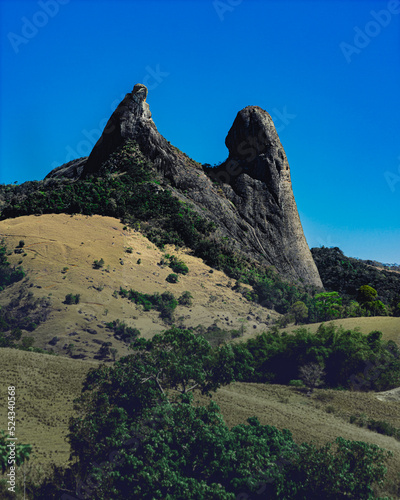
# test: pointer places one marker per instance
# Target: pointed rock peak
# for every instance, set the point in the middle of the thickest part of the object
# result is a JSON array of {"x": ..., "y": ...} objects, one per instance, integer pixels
[
  {"x": 134, "y": 105},
  {"x": 130, "y": 121},
  {"x": 139, "y": 92},
  {"x": 253, "y": 130}
]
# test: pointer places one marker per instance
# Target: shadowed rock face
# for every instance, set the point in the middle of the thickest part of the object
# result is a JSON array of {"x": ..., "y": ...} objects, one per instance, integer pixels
[{"x": 252, "y": 203}]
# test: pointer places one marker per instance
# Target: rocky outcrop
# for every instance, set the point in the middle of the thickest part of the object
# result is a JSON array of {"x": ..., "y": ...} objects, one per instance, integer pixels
[
  {"x": 249, "y": 196},
  {"x": 256, "y": 178},
  {"x": 71, "y": 170}
]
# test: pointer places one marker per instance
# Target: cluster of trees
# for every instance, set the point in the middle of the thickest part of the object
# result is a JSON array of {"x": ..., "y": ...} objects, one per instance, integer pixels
[
  {"x": 164, "y": 302},
  {"x": 139, "y": 435},
  {"x": 23, "y": 312},
  {"x": 122, "y": 331},
  {"x": 327, "y": 306},
  {"x": 349, "y": 358},
  {"x": 8, "y": 274}
]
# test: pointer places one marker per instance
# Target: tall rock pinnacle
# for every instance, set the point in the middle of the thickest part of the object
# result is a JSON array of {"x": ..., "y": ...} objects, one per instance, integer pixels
[
  {"x": 252, "y": 202},
  {"x": 260, "y": 187}
]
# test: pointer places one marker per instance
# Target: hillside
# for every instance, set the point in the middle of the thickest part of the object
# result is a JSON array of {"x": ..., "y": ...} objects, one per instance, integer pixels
[
  {"x": 59, "y": 254},
  {"x": 346, "y": 275}
]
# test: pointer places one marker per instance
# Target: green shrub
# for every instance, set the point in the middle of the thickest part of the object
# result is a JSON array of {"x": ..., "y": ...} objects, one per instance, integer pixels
[
  {"x": 177, "y": 265},
  {"x": 120, "y": 329},
  {"x": 165, "y": 303},
  {"x": 129, "y": 250},
  {"x": 186, "y": 299},
  {"x": 380, "y": 426},
  {"x": 21, "y": 244},
  {"x": 72, "y": 299},
  {"x": 350, "y": 358},
  {"x": 296, "y": 383},
  {"x": 172, "y": 278},
  {"x": 97, "y": 264}
]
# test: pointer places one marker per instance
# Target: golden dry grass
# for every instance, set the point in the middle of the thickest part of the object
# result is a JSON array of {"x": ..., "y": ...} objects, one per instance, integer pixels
[
  {"x": 45, "y": 388},
  {"x": 56, "y": 242}
]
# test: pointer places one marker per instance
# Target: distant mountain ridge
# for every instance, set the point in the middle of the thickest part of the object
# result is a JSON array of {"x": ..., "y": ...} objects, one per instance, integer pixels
[{"x": 346, "y": 275}]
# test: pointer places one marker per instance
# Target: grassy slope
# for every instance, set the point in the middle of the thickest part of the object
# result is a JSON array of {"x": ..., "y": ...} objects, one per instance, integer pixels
[
  {"x": 53, "y": 242},
  {"x": 46, "y": 387}
]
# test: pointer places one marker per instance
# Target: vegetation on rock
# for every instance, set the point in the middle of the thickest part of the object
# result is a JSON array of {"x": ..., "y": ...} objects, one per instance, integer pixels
[{"x": 347, "y": 275}]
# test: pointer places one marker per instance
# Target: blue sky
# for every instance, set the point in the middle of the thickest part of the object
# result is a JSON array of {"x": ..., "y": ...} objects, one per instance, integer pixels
[{"x": 328, "y": 72}]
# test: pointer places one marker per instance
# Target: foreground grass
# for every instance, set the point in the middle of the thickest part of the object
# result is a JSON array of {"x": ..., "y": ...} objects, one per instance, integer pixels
[{"x": 46, "y": 387}]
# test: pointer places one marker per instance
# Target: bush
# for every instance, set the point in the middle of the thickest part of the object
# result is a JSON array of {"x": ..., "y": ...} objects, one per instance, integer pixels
[
  {"x": 172, "y": 278},
  {"x": 97, "y": 264},
  {"x": 72, "y": 299},
  {"x": 164, "y": 303},
  {"x": 380, "y": 426},
  {"x": 186, "y": 299},
  {"x": 177, "y": 265},
  {"x": 21, "y": 244},
  {"x": 296, "y": 383},
  {"x": 124, "y": 332}
]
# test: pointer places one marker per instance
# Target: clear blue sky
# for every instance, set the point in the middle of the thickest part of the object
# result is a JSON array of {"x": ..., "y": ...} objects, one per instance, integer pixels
[{"x": 327, "y": 71}]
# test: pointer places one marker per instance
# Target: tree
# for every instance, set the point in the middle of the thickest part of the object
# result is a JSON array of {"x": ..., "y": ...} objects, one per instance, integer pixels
[
  {"x": 366, "y": 294},
  {"x": 181, "y": 450},
  {"x": 114, "y": 397},
  {"x": 300, "y": 311},
  {"x": 98, "y": 264},
  {"x": 328, "y": 305},
  {"x": 368, "y": 298},
  {"x": 311, "y": 375}
]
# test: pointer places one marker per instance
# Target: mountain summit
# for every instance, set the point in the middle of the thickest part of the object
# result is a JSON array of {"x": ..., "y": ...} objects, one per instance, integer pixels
[{"x": 249, "y": 197}]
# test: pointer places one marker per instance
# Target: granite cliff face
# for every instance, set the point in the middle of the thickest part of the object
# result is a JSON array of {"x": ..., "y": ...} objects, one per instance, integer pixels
[{"x": 249, "y": 196}]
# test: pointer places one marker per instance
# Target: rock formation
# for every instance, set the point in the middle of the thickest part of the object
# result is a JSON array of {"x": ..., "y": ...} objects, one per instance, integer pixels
[{"x": 249, "y": 196}]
